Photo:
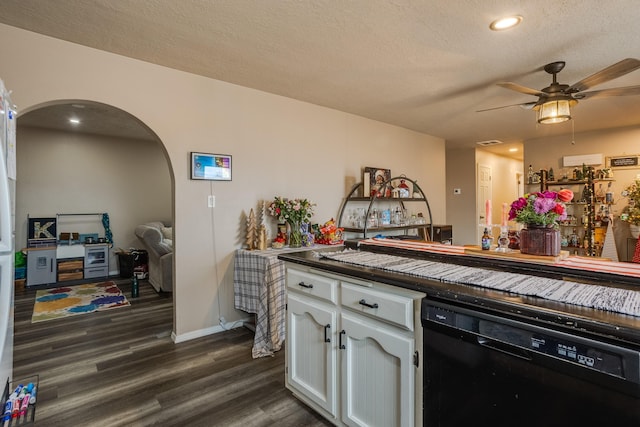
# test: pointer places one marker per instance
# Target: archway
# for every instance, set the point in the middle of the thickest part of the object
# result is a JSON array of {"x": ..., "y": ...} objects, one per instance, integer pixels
[{"x": 109, "y": 162}]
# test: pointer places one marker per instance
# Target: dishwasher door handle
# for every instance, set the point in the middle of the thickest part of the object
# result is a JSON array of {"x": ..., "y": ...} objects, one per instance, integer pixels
[{"x": 503, "y": 347}]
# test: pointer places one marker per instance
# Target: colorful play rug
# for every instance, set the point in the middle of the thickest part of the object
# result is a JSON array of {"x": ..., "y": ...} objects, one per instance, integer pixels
[{"x": 79, "y": 299}]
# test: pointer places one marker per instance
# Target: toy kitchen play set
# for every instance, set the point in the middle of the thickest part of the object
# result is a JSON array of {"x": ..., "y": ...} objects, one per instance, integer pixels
[{"x": 68, "y": 255}]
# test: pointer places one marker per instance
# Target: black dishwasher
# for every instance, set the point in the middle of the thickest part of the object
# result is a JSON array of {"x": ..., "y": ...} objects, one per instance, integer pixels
[{"x": 482, "y": 368}]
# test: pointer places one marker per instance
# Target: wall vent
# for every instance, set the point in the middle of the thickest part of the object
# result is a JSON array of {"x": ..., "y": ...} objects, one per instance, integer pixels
[{"x": 489, "y": 142}]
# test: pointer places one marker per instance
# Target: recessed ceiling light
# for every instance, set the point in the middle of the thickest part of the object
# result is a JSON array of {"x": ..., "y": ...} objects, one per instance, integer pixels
[
  {"x": 505, "y": 23},
  {"x": 74, "y": 121}
]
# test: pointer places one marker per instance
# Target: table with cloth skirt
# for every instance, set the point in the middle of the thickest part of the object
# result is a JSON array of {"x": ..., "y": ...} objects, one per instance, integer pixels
[{"x": 259, "y": 283}]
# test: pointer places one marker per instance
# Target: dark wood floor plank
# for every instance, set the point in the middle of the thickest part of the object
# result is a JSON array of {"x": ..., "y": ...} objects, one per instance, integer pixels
[{"x": 121, "y": 368}]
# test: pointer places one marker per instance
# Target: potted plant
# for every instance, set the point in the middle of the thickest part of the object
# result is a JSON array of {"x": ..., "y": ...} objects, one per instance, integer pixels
[
  {"x": 540, "y": 213},
  {"x": 294, "y": 212}
]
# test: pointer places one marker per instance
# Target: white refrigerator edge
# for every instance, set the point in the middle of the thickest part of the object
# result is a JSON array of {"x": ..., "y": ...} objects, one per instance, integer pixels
[{"x": 7, "y": 236}]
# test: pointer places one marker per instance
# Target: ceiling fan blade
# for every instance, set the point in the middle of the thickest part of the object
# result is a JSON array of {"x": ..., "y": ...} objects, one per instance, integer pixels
[
  {"x": 618, "y": 91},
  {"x": 520, "y": 88},
  {"x": 612, "y": 72},
  {"x": 526, "y": 106}
]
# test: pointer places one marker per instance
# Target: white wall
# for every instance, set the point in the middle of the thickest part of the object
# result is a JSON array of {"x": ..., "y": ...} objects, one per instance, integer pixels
[
  {"x": 461, "y": 208},
  {"x": 280, "y": 147},
  {"x": 63, "y": 172}
]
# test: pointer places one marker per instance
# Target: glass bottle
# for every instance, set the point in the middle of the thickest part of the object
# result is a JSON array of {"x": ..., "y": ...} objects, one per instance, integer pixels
[
  {"x": 135, "y": 290},
  {"x": 573, "y": 239},
  {"x": 486, "y": 240},
  {"x": 600, "y": 194},
  {"x": 608, "y": 197}
]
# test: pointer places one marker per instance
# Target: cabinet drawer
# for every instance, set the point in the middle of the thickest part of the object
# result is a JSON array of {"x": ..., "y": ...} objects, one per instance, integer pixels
[
  {"x": 313, "y": 284},
  {"x": 91, "y": 273},
  {"x": 386, "y": 306},
  {"x": 70, "y": 276},
  {"x": 70, "y": 265}
]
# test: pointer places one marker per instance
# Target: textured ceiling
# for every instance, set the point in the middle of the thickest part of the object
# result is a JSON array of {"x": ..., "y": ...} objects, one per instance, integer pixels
[{"x": 423, "y": 65}]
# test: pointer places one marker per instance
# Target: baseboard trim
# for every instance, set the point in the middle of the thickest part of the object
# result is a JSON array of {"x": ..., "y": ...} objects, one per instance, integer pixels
[{"x": 208, "y": 331}]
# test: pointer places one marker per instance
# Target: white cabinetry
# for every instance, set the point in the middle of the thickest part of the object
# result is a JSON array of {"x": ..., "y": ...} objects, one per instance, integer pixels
[
  {"x": 354, "y": 349},
  {"x": 41, "y": 266}
]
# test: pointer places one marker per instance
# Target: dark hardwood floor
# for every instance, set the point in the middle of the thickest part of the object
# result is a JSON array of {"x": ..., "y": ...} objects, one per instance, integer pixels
[{"x": 121, "y": 368}]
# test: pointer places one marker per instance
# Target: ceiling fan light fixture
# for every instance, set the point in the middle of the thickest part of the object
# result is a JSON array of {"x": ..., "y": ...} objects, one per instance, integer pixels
[
  {"x": 555, "y": 111},
  {"x": 505, "y": 23}
]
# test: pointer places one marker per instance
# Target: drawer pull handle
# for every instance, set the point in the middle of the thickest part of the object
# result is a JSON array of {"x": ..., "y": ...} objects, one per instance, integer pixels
[
  {"x": 304, "y": 285},
  {"x": 340, "y": 345},
  {"x": 366, "y": 304},
  {"x": 326, "y": 338}
]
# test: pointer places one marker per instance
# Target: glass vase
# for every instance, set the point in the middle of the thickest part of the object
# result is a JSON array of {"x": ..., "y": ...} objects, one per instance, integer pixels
[
  {"x": 295, "y": 234},
  {"x": 540, "y": 240}
]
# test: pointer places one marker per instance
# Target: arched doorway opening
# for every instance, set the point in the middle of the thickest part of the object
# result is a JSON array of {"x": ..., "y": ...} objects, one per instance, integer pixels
[{"x": 85, "y": 156}]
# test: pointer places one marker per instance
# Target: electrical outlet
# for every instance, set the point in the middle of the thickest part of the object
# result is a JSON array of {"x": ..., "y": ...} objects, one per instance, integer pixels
[{"x": 211, "y": 201}]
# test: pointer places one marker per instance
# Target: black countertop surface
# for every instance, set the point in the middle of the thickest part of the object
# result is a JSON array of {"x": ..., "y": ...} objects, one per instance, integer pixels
[{"x": 598, "y": 324}]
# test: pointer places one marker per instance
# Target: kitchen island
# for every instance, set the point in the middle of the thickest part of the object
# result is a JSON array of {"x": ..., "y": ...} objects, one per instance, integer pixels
[{"x": 588, "y": 330}]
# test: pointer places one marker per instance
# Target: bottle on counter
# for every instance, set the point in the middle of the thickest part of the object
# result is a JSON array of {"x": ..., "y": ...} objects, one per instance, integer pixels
[{"x": 486, "y": 240}]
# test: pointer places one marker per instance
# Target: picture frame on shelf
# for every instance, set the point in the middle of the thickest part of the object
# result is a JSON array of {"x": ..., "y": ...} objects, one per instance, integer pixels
[{"x": 375, "y": 177}]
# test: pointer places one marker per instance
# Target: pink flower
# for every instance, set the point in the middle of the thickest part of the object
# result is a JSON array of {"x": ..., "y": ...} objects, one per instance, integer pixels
[
  {"x": 543, "y": 205},
  {"x": 561, "y": 211},
  {"x": 547, "y": 194},
  {"x": 516, "y": 206}
]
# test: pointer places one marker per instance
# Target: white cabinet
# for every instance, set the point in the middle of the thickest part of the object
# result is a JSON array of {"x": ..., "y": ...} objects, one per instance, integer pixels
[
  {"x": 378, "y": 374},
  {"x": 354, "y": 349},
  {"x": 41, "y": 266},
  {"x": 311, "y": 355}
]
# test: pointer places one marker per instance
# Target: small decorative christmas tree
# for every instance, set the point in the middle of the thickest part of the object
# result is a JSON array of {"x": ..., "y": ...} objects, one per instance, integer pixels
[
  {"x": 251, "y": 231},
  {"x": 262, "y": 238}
]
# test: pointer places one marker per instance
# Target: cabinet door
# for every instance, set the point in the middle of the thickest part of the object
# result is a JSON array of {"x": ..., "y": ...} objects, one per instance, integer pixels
[
  {"x": 378, "y": 374},
  {"x": 311, "y": 360},
  {"x": 41, "y": 267}
]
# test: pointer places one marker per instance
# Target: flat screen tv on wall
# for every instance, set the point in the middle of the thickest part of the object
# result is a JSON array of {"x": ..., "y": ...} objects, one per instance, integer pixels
[{"x": 210, "y": 167}]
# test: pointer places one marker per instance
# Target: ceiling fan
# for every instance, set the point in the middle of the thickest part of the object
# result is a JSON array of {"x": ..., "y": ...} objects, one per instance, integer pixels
[{"x": 554, "y": 101}]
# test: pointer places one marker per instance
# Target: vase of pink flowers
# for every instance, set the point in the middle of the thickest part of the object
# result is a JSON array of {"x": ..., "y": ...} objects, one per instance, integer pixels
[
  {"x": 540, "y": 213},
  {"x": 295, "y": 212}
]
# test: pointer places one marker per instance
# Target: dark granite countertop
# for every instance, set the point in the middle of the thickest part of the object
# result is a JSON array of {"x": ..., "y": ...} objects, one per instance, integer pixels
[{"x": 599, "y": 324}]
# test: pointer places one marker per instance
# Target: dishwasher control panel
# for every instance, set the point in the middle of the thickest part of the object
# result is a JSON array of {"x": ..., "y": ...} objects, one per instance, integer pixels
[{"x": 504, "y": 333}]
